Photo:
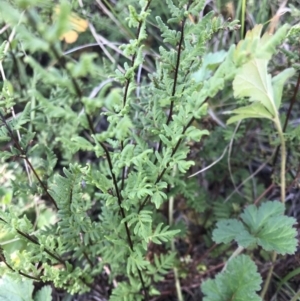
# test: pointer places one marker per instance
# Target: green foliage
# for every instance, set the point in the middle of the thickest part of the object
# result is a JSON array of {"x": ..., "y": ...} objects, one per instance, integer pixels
[
  {"x": 254, "y": 82},
  {"x": 11, "y": 290},
  {"x": 240, "y": 281},
  {"x": 101, "y": 162},
  {"x": 265, "y": 226}
]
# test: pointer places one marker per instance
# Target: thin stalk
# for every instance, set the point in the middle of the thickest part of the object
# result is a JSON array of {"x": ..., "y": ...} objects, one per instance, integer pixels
[
  {"x": 175, "y": 270},
  {"x": 283, "y": 166},
  {"x": 268, "y": 280},
  {"x": 282, "y": 186},
  {"x": 283, "y": 159},
  {"x": 243, "y": 18}
]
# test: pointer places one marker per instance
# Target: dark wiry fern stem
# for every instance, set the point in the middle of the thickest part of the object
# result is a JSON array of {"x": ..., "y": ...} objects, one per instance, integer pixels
[
  {"x": 23, "y": 155},
  {"x": 134, "y": 57},
  {"x": 33, "y": 240},
  {"x": 180, "y": 46},
  {"x": 79, "y": 95},
  {"x": 125, "y": 96},
  {"x": 84, "y": 253},
  {"x": 41, "y": 182},
  {"x": 119, "y": 197},
  {"x": 165, "y": 169},
  {"x": 3, "y": 259}
]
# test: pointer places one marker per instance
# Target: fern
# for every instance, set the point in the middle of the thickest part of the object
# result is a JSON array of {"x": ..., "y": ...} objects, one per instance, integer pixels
[{"x": 105, "y": 160}]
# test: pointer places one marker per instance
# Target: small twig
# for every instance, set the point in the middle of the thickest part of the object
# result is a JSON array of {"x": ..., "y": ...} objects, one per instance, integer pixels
[
  {"x": 35, "y": 241},
  {"x": 210, "y": 165},
  {"x": 263, "y": 194},
  {"x": 41, "y": 183},
  {"x": 51, "y": 254},
  {"x": 176, "y": 276}
]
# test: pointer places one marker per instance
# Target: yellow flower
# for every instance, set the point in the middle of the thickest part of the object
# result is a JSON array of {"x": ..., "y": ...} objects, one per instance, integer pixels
[{"x": 77, "y": 25}]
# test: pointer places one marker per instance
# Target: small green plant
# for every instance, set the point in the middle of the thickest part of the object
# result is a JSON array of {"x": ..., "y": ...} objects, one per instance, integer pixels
[
  {"x": 22, "y": 290},
  {"x": 101, "y": 147},
  {"x": 266, "y": 226}
]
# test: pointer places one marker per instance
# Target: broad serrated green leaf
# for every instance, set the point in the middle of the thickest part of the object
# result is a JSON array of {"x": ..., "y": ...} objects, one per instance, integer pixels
[
  {"x": 255, "y": 46},
  {"x": 239, "y": 282},
  {"x": 278, "y": 235},
  {"x": 245, "y": 239},
  {"x": 255, "y": 217},
  {"x": 227, "y": 230},
  {"x": 269, "y": 42},
  {"x": 15, "y": 290},
  {"x": 255, "y": 110},
  {"x": 44, "y": 294},
  {"x": 278, "y": 82},
  {"x": 265, "y": 226},
  {"x": 253, "y": 81},
  {"x": 248, "y": 45}
]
